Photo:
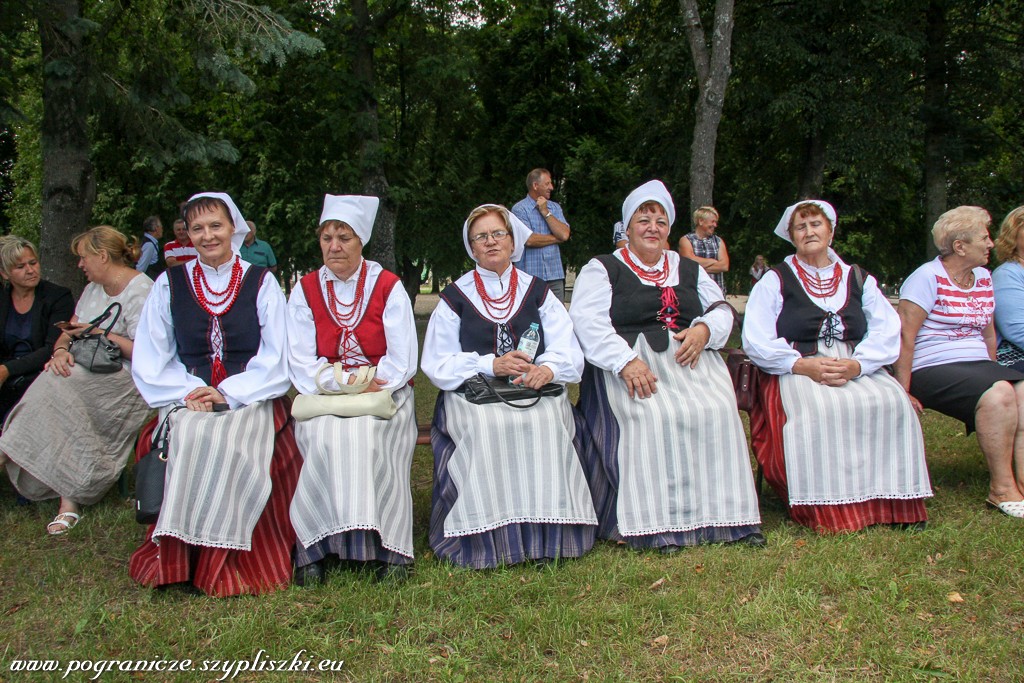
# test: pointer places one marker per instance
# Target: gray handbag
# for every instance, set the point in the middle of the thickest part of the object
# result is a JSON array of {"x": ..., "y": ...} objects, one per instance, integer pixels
[{"x": 96, "y": 352}]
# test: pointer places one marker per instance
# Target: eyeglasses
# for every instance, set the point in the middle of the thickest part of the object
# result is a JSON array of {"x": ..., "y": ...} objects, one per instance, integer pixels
[{"x": 497, "y": 236}]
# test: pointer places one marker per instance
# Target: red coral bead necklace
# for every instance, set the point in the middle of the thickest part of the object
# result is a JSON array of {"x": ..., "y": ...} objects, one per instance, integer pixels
[
  {"x": 208, "y": 297},
  {"x": 500, "y": 307},
  {"x": 345, "y": 314}
]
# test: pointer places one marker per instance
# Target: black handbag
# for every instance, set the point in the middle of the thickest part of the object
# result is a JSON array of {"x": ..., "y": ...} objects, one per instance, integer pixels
[
  {"x": 96, "y": 352},
  {"x": 482, "y": 390},
  {"x": 149, "y": 474}
]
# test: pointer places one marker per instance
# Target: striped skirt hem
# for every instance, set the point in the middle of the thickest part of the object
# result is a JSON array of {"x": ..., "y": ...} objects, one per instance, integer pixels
[
  {"x": 221, "y": 572},
  {"x": 766, "y": 422},
  {"x": 360, "y": 545},
  {"x": 508, "y": 544},
  {"x": 597, "y": 439}
]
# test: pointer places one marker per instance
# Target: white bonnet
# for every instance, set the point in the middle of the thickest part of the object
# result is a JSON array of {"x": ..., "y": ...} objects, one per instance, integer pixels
[
  {"x": 356, "y": 211},
  {"x": 782, "y": 229},
  {"x": 652, "y": 190},
  {"x": 238, "y": 236},
  {"x": 520, "y": 233}
]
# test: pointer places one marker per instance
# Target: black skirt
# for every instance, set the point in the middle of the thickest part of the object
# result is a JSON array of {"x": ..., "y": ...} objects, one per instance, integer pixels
[{"x": 954, "y": 389}]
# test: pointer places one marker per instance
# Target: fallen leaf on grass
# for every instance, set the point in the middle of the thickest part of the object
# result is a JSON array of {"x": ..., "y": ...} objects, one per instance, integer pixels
[
  {"x": 583, "y": 643},
  {"x": 801, "y": 543},
  {"x": 657, "y": 583},
  {"x": 698, "y": 569},
  {"x": 955, "y": 597},
  {"x": 938, "y": 556},
  {"x": 17, "y": 606},
  {"x": 660, "y": 640},
  {"x": 432, "y": 660},
  {"x": 962, "y": 571},
  {"x": 929, "y": 560}
]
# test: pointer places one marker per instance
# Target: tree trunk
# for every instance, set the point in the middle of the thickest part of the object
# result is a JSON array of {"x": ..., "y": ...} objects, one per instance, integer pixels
[
  {"x": 812, "y": 171},
  {"x": 69, "y": 185},
  {"x": 713, "y": 71},
  {"x": 934, "y": 114},
  {"x": 411, "y": 275},
  {"x": 375, "y": 182}
]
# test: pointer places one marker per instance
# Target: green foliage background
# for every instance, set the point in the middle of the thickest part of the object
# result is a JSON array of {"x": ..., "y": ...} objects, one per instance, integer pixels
[{"x": 472, "y": 94}]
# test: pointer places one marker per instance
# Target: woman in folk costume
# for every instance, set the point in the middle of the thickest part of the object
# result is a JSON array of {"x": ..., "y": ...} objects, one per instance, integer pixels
[
  {"x": 835, "y": 433},
  {"x": 508, "y": 485},
  {"x": 212, "y": 336},
  {"x": 664, "y": 446},
  {"x": 354, "y": 498}
]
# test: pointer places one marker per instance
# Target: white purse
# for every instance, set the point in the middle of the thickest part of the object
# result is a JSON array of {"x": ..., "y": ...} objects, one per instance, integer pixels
[{"x": 351, "y": 401}]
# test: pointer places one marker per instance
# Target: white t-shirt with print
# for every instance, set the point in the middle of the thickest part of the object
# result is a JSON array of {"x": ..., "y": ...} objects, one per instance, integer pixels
[{"x": 952, "y": 332}]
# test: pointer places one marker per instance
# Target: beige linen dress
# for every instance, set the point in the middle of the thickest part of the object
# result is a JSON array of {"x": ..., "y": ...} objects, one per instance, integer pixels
[{"x": 71, "y": 436}]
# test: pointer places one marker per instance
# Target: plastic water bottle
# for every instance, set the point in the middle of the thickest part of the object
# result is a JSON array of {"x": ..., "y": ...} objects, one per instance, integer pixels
[
  {"x": 530, "y": 341},
  {"x": 528, "y": 344}
]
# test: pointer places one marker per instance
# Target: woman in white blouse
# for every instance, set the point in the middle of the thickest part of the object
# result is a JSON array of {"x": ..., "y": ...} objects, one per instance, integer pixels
[
  {"x": 354, "y": 498},
  {"x": 508, "y": 485},
  {"x": 663, "y": 445},
  {"x": 72, "y": 431},
  {"x": 836, "y": 435},
  {"x": 212, "y": 339}
]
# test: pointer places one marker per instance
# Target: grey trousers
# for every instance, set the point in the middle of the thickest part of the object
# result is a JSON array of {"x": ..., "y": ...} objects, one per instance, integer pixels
[{"x": 557, "y": 288}]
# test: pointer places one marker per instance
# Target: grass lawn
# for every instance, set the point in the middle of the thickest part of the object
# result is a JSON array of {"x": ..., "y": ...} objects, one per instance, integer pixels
[{"x": 881, "y": 605}]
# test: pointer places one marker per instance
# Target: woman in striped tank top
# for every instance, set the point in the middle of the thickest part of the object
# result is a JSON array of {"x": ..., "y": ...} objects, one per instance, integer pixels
[{"x": 948, "y": 357}]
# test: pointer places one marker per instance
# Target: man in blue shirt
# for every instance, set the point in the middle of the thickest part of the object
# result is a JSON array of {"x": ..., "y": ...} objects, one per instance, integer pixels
[
  {"x": 257, "y": 252},
  {"x": 542, "y": 258},
  {"x": 149, "y": 261}
]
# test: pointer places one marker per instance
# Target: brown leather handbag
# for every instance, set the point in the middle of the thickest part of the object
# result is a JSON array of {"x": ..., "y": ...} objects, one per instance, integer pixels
[{"x": 744, "y": 378}]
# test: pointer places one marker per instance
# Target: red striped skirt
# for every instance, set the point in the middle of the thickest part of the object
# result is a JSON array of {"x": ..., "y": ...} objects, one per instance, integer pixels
[
  {"x": 766, "y": 422},
  {"x": 218, "y": 571}
]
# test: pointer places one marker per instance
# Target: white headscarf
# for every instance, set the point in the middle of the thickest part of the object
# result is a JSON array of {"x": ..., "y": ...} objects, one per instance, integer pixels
[
  {"x": 520, "y": 233},
  {"x": 652, "y": 190},
  {"x": 356, "y": 211},
  {"x": 782, "y": 229},
  {"x": 236, "y": 217}
]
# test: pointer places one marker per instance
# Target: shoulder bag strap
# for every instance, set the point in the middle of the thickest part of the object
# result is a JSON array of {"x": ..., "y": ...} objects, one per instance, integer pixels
[{"x": 363, "y": 377}]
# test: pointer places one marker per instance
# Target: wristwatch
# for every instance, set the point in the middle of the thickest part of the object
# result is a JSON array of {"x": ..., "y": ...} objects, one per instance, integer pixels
[{"x": 547, "y": 215}]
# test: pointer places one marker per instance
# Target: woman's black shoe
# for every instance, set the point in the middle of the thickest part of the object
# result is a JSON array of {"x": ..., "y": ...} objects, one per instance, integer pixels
[
  {"x": 309, "y": 575},
  {"x": 756, "y": 539},
  {"x": 392, "y": 573}
]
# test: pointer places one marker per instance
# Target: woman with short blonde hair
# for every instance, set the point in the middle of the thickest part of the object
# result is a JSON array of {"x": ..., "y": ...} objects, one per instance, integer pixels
[
  {"x": 29, "y": 307},
  {"x": 948, "y": 351}
]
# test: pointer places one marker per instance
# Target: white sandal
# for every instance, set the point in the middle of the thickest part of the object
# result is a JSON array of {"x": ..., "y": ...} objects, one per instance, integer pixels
[
  {"x": 1009, "y": 508},
  {"x": 61, "y": 521}
]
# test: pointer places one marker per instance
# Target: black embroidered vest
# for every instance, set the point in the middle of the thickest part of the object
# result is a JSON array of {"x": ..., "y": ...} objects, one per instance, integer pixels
[
  {"x": 635, "y": 306},
  {"x": 240, "y": 325},
  {"x": 802, "y": 323},
  {"x": 479, "y": 334}
]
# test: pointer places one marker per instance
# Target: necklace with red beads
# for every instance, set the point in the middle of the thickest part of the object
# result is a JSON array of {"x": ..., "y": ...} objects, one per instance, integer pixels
[
  {"x": 501, "y": 307},
  {"x": 655, "y": 277},
  {"x": 210, "y": 298},
  {"x": 817, "y": 287},
  {"x": 345, "y": 314}
]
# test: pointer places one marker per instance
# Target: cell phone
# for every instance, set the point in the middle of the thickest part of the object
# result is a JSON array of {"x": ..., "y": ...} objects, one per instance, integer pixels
[{"x": 64, "y": 325}]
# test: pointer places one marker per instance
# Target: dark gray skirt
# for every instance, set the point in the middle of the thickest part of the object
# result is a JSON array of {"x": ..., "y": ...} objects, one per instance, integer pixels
[{"x": 954, "y": 389}]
